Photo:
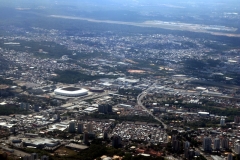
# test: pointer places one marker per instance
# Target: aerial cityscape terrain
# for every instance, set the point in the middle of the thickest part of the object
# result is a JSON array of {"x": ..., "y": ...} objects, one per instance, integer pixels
[{"x": 120, "y": 80}]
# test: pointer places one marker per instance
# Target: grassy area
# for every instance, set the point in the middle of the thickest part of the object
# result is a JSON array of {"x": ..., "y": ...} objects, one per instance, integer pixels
[{"x": 63, "y": 151}]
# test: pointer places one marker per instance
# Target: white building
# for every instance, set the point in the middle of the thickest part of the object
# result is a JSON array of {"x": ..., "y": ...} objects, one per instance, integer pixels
[
  {"x": 203, "y": 114},
  {"x": 237, "y": 147},
  {"x": 90, "y": 110},
  {"x": 222, "y": 121},
  {"x": 126, "y": 81}
]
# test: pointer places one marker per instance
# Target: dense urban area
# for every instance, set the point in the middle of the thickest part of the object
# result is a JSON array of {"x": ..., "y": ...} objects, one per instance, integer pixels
[{"x": 116, "y": 95}]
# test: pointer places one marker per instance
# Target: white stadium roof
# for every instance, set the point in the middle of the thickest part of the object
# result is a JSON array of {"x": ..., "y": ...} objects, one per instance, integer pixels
[{"x": 71, "y": 93}]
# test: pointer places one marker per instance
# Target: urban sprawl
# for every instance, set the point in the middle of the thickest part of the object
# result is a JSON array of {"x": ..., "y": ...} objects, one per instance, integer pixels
[{"x": 158, "y": 95}]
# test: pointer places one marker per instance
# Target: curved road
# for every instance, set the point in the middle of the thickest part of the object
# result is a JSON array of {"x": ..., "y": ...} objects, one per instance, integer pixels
[{"x": 139, "y": 102}]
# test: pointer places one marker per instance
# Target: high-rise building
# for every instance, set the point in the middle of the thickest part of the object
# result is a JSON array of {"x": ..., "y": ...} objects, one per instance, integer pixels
[
  {"x": 80, "y": 128},
  {"x": 116, "y": 141},
  {"x": 90, "y": 127},
  {"x": 27, "y": 106},
  {"x": 58, "y": 116},
  {"x": 22, "y": 105},
  {"x": 105, "y": 135},
  {"x": 34, "y": 156},
  {"x": 173, "y": 138},
  {"x": 85, "y": 137},
  {"x": 44, "y": 158},
  {"x": 222, "y": 121},
  {"x": 186, "y": 145},
  {"x": 186, "y": 153},
  {"x": 237, "y": 119},
  {"x": 230, "y": 157},
  {"x": 197, "y": 153},
  {"x": 207, "y": 142},
  {"x": 71, "y": 128},
  {"x": 105, "y": 108},
  {"x": 216, "y": 145},
  {"x": 26, "y": 157},
  {"x": 189, "y": 153},
  {"x": 225, "y": 143},
  {"x": 36, "y": 108},
  {"x": 176, "y": 145},
  {"x": 109, "y": 108},
  {"x": 237, "y": 147}
]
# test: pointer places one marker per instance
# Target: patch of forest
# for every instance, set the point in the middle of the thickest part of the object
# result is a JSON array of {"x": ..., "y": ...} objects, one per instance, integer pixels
[{"x": 71, "y": 77}]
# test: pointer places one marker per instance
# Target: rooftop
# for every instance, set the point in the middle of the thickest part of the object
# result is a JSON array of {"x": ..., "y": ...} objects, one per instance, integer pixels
[{"x": 70, "y": 89}]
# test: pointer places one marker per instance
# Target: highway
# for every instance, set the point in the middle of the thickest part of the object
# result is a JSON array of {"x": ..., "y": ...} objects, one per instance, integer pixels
[{"x": 139, "y": 102}]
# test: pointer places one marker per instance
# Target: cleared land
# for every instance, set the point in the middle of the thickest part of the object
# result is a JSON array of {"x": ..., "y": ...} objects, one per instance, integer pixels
[{"x": 211, "y": 29}]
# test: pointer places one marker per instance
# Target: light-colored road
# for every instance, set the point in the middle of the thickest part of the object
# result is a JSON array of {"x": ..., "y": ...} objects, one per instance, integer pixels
[
  {"x": 139, "y": 102},
  {"x": 20, "y": 153}
]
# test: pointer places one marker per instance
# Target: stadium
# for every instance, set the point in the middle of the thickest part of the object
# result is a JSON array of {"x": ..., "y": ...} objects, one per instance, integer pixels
[
  {"x": 96, "y": 89},
  {"x": 71, "y": 91}
]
